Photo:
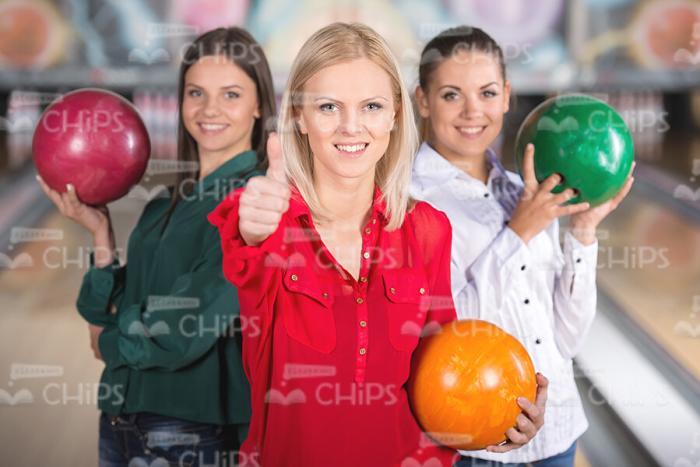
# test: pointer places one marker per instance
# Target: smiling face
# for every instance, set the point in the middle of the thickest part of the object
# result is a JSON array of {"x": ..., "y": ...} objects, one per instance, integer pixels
[
  {"x": 219, "y": 106},
  {"x": 347, "y": 112},
  {"x": 465, "y": 102}
]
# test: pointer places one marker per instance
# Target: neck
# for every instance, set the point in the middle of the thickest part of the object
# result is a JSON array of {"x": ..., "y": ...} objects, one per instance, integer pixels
[
  {"x": 474, "y": 165},
  {"x": 209, "y": 161},
  {"x": 348, "y": 201}
]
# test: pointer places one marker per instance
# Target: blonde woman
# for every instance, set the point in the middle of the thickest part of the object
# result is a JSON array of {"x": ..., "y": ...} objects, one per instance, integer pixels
[{"x": 337, "y": 272}]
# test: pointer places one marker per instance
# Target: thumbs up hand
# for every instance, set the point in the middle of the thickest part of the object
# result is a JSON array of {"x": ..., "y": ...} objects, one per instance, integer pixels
[{"x": 265, "y": 198}]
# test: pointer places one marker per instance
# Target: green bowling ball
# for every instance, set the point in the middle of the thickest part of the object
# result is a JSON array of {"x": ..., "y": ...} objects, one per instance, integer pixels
[{"x": 582, "y": 139}]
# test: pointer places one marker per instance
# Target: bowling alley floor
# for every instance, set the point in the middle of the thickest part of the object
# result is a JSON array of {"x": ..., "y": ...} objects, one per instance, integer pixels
[{"x": 47, "y": 405}]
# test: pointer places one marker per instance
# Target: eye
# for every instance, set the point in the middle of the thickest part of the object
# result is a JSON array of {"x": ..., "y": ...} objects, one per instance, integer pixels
[
  {"x": 490, "y": 93},
  {"x": 328, "y": 107},
  {"x": 232, "y": 95},
  {"x": 194, "y": 93},
  {"x": 450, "y": 96},
  {"x": 374, "y": 106}
]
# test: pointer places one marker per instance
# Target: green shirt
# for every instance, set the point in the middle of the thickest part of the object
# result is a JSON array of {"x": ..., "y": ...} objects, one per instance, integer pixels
[{"x": 171, "y": 348}]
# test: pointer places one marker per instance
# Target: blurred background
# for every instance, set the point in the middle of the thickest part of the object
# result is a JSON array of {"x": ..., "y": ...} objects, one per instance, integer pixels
[{"x": 639, "y": 373}]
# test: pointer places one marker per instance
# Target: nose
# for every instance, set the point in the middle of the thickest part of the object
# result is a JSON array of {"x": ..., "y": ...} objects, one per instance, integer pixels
[
  {"x": 472, "y": 106},
  {"x": 350, "y": 123},
  {"x": 211, "y": 107}
]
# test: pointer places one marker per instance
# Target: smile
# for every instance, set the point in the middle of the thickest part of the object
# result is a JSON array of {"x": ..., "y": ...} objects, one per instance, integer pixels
[
  {"x": 212, "y": 127},
  {"x": 354, "y": 149},
  {"x": 471, "y": 130}
]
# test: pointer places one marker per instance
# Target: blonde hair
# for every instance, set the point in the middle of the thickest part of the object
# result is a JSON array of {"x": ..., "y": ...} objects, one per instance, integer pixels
[{"x": 337, "y": 43}]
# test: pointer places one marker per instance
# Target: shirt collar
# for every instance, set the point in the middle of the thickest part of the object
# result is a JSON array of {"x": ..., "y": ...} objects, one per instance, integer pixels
[
  {"x": 237, "y": 166},
  {"x": 431, "y": 166},
  {"x": 298, "y": 207}
]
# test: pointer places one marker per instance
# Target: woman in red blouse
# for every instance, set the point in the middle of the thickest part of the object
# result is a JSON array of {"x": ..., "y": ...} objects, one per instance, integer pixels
[{"x": 338, "y": 271}]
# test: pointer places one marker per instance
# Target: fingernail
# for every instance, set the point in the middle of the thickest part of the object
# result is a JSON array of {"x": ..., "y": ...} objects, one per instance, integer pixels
[
  {"x": 38, "y": 178},
  {"x": 69, "y": 187},
  {"x": 521, "y": 400}
]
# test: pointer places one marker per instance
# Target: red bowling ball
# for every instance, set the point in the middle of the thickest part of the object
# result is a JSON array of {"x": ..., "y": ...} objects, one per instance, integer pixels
[{"x": 95, "y": 140}]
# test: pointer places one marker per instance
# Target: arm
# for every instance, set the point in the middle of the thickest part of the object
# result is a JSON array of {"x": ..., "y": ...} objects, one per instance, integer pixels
[
  {"x": 480, "y": 287},
  {"x": 101, "y": 290},
  {"x": 574, "y": 294},
  {"x": 434, "y": 234},
  {"x": 171, "y": 331}
]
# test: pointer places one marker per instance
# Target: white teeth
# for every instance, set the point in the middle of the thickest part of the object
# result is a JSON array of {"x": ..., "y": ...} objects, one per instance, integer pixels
[
  {"x": 351, "y": 148},
  {"x": 471, "y": 130},
  {"x": 212, "y": 126}
]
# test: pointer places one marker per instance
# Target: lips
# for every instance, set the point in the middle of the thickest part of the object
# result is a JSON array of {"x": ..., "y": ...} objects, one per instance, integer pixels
[
  {"x": 354, "y": 149},
  {"x": 472, "y": 131},
  {"x": 212, "y": 128}
]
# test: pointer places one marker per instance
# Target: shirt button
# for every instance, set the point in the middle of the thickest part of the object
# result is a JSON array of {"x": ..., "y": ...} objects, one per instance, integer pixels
[
  {"x": 359, "y": 300},
  {"x": 526, "y": 301},
  {"x": 363, "y": 351},
  {"x": 538, "y": 341},
  {"x": 374, "y": 221},
  {"x": 365, "y": 255},
  {"x": 294, "y": 277},
  {"x": 486, "y": 195},
  {"x": 421, "y": 291},
  {"x": 363, "y": 279},
  {"x": 522, "y": 268},
  {"x": 578, "y": 260},
  {"x": 392, "y": 290},
  {"x": 325, "y": 294},
  {"x": 363, "y": 324},
  {"x": 368, "y": 230}
]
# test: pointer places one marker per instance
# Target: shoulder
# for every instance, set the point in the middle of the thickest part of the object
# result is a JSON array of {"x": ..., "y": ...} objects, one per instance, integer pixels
[{"x": 432, "y": 226}]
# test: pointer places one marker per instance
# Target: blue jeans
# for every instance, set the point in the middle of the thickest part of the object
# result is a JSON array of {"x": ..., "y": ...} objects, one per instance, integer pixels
[
  {"x": 149, "y": 440},
  {"x": 565, "y": 459}
]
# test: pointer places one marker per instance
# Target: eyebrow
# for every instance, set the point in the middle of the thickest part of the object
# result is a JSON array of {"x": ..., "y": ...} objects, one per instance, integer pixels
[
  {"x": 451, "y": 86},
  {"x": 320, "y": 98},
  {"x": 222, "y": 87}
]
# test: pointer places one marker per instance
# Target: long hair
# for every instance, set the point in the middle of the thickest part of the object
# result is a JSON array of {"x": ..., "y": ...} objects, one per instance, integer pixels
[
  {"x": 338, "y": 43},
  {"x": 237, "y": 45}
]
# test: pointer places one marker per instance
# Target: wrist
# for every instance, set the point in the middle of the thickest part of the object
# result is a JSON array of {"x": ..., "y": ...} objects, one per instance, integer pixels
[
  {"x": 103, "y": 249},
  {"x": 584, "y": 233},
  {"x": 520, "y": 231}
]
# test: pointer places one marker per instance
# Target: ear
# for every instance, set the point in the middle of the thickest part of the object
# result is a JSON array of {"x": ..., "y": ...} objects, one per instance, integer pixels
[
  {"x": 422, "y": 102},
  {"x": 257, "y": 112},
  {"x": 301, "y": 123},
  {"x": 506, "y": 96}
]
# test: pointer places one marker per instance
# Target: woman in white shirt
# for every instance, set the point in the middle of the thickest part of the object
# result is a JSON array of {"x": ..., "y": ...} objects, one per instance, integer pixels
[{"x": 508, "y": 266}]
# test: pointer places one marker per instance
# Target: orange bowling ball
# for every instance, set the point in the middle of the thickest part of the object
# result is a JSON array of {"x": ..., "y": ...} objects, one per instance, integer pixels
[{"x": 464, "y": 383}]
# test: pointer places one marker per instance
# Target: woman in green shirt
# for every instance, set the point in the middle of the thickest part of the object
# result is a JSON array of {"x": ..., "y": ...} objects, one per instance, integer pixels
[{"x": 165, "y": 323}]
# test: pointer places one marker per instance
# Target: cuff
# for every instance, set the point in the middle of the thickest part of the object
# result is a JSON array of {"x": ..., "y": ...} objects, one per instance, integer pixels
[
  {"x": 236, "y": 252},
  {"x": 108, "y": 344},
  {"x": 511, "y": 251},
  {"x": 578, "y": 257}
]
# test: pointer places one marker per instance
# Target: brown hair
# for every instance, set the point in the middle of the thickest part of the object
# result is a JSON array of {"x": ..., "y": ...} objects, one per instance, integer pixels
[
  {"x": 240, "y": 47},
  {"x": 445, "y": 45}
]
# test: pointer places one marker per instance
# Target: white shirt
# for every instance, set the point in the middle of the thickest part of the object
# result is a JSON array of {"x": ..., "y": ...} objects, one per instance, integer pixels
[{"x": 543, "y": 296}]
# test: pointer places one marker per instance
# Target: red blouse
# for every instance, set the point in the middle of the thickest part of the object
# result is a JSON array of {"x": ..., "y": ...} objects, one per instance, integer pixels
[{"x": 328, "y": 356}]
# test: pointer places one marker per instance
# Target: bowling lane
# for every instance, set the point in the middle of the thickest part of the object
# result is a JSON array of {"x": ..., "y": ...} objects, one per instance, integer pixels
[
  {"x": 49, "y": 391},
  {"x": 649, "y": 261}
]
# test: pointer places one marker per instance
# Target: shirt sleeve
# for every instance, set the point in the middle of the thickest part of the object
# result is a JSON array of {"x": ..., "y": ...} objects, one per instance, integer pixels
[
  {"x": 255, "y": 270},
  {"x": 482, "y": 286},
  {"x": 170, "y": 331},
  {"x": 434, "y": 231},
  {"x": 101, "y": 288},
  {"x": 574, "y": 294}
]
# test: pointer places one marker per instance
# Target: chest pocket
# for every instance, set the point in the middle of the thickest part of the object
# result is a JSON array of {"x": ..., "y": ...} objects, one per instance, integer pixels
[
  {"x": 308, "y": 310},
  {"x": 407, "y": 294}
]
